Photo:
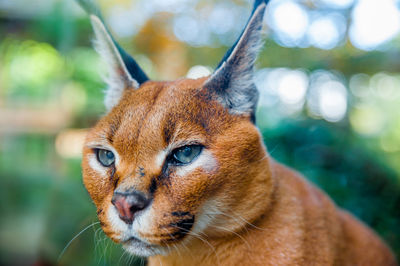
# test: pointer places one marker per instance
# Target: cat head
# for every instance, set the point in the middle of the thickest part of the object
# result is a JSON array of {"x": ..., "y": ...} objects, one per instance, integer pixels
[{"x": 171, "y": 161}]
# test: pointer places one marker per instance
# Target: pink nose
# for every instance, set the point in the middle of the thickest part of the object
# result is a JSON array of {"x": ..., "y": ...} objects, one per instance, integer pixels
[{"x": 129, "y": 203}]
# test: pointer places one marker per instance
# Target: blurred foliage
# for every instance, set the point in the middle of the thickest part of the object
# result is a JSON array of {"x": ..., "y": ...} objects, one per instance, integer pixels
[{"x": 46, "y": 63}]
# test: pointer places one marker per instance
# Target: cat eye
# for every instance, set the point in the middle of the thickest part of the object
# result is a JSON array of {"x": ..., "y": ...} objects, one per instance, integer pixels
[
  {"x": 105, "y": 157},
  {"x": 186, "y": 154}
]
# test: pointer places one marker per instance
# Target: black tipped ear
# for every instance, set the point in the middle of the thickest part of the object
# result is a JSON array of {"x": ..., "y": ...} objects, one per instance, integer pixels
[
  {"x": 124, "y": 72},
  {"x": 119, "y": 78},
  {"x": 232, "y": 81}
]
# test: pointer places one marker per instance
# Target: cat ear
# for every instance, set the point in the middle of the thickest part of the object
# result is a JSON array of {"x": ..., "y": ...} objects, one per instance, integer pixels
[
  {"x": 119, "y": 78},
  {"x": 124, "y": 72},
  {"x": 232, "y": 81}
]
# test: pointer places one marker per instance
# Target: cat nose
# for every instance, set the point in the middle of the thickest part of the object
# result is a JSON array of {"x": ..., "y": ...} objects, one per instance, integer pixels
[{"x": 128, "y": 203}]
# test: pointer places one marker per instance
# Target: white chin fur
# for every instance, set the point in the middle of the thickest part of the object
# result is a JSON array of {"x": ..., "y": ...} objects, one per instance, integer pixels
[{"x": 143, "y": 250}]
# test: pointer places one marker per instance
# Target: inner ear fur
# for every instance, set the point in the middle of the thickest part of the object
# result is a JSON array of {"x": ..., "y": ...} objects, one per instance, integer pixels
[
  {"x": 232, "y": 82},
  {"x": 124, "y": 72},
  {"x": 119, "y": 78}
]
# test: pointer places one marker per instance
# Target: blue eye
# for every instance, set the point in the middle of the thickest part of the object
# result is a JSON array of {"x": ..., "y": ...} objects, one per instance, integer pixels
[
  {"x": 105, "y": 157},
  {"x": 186, "y": 154}
]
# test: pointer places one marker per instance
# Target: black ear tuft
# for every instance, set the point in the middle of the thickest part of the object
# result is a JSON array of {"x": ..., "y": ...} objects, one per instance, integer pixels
[
  {"x": 119, "y": 79},
  {"x": 131, "y": 65},
  {"x": 232, "y": 81},
  {"x": 133, "y": 68},
  {"x": 124, "y": 72},
  {"x": 229, "y": 52}
]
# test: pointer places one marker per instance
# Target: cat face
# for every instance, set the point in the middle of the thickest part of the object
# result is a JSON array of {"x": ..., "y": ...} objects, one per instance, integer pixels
[
  {"x": 172, "y": 161},
  {"x": 185, "y": 154}
]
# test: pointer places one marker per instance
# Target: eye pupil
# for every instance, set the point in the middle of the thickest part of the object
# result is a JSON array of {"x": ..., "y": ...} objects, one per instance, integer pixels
[
  {"x": 187, "y": 151},
  {"x": 110, "y": 155}
]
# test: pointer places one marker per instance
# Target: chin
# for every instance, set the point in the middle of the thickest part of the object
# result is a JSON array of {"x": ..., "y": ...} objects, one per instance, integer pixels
[{"x": 139, "y": 248}]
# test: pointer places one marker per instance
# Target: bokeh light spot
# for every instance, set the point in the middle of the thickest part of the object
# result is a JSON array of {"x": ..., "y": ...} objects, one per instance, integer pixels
[
  {"x": 292, "y": 87},
  {"x": 374, "y": 23},
  {"x": 339, "y": 3},
  {"x": 196, "y": 72},
  {"x": 326, "y": 32},
  {"x": 367, "y": 119},
  {"x": 333, "y": 101},
  {"x": 289, "y": 21}
]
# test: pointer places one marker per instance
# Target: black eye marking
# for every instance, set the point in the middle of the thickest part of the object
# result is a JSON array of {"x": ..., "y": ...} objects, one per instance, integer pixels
[
  {"x": 99, "y": 211},
  {"x": 181, "y": 227},
  {"x": 153, "y": 186},
  {"x": 184, "y": 225},
  {"x": 115, "y": 180},
  {"x": 141, "y": 172}
]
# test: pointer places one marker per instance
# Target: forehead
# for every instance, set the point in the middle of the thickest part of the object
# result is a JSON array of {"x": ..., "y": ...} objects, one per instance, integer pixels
[{"x": 159, "y": 112}]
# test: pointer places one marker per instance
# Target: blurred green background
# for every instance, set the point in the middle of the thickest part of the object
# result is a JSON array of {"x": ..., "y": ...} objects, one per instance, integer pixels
[{"x": 329, "y": 77}]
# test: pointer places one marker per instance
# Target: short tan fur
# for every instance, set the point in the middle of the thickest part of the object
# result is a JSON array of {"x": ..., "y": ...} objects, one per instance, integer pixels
[{"x": 231, "y": 204}]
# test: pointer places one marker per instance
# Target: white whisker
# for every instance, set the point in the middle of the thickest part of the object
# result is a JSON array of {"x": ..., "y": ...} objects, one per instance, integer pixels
[
  {"x": 239, "y": 217},
  {"x": 198, "y": 236},
  {"x": 75, "y": 237},
  {"x": 233, "y": 232}
]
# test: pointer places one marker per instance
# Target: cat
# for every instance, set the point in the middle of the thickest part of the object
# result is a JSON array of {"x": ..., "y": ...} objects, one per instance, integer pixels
[{"x": 179, "y": 173}]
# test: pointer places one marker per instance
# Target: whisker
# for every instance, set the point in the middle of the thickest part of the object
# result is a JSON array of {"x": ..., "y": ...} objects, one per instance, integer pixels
[
  {"x": 177, "y": 250},
  {"x": 107, "y": 243},
  {"x": 129, "y": 259},
  {"x": 239, "y": 217},
  {"x": 188, "y": 249},
  {"x": 75, "y": 237},
  {"x": 123, "y": 254},
  {"x": 169, "y": 249},
  {"x": 234, "y": 219},
  {"x": 273, "y": 149},
  {"x": 96, "y": 241},
  {"x": 108, "y": 250},
  {"x": 173, "y": 245},
  {"x": 159, "y": 260},
  {"x": 198, "y": 236},
  {"x": 233, "y": 232},
  {"x": 102, "y": 245},
  {"x": 247, "y": 222}
]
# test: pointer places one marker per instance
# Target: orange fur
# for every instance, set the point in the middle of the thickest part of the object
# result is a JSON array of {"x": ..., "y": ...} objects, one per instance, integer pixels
[{"x": 247, "y": 208}]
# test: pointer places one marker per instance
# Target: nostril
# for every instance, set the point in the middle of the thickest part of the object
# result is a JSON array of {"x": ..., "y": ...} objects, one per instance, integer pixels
[{"x": 128, "y": 203}]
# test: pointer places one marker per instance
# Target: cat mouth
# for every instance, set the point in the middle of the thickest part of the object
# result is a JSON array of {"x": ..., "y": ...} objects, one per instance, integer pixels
[
  {"x": 158, "y": 242},
  {"x": 135, "y": 240}
]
